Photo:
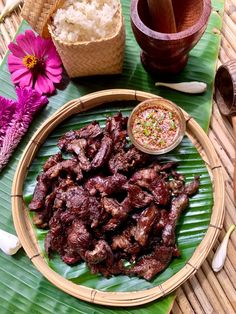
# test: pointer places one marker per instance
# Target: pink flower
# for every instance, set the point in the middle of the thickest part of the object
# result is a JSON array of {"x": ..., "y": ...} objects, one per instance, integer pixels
[{"x": 34, "y": 62}]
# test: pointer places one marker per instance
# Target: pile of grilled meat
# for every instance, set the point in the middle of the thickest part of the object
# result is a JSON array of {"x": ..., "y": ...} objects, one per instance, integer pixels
[{"x": 110, "y": 203}]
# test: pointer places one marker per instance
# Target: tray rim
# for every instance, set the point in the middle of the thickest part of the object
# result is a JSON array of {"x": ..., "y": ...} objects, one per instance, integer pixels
[{"x": 23, "y": 226}]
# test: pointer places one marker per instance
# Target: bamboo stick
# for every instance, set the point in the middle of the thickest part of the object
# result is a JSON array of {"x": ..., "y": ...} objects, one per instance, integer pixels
[
  {"x": 162, "y": 16},
  {"x": 185, "y": 306},
  {"x": 216, "y": 286},
  {"x": 176, "y": 309},
  {"x": 209, "y": 292},
  {"x": 203, "y": 300},
  {"x": 191, "y": 296}
]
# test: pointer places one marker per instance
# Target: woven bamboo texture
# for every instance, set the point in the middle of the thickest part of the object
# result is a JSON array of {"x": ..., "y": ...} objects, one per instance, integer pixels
[
  {"x": 205, "y": 292},
  {"x": 104, "y": 56}
]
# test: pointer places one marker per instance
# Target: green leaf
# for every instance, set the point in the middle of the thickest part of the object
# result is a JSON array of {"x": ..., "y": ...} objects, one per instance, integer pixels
[{"x": 22, "y": 288}]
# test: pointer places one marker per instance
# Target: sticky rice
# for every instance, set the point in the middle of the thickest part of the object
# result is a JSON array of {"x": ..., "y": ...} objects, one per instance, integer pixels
[{"x": 85, "y": 20}]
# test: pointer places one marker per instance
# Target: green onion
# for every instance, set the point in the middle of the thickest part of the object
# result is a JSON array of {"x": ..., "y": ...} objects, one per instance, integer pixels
[
  {"x": 161, "y": 141},
  {"x": 170, "y": 115},
  {"x": 172, "y": 124},
  {"x": 146, "y": 132},
  {"x": 150, "y": 115}
]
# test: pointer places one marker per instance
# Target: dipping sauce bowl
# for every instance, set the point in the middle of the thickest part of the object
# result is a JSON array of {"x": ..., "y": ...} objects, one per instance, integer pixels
[{"x": 156, "y": 126}]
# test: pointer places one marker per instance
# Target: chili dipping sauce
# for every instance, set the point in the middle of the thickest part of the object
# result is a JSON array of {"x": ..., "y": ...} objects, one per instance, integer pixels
[{"x": 155, "y": 127}]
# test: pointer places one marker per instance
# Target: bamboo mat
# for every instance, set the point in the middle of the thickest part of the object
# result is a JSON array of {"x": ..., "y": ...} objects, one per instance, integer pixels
[{"x": 206, "y": 292}]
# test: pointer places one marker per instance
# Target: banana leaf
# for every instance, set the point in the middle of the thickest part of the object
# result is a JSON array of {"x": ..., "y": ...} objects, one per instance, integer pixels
[{"x": 22, "y": 288}]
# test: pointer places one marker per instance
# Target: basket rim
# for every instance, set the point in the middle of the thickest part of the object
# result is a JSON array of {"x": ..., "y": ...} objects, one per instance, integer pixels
[{"x": 92, "y": 295}]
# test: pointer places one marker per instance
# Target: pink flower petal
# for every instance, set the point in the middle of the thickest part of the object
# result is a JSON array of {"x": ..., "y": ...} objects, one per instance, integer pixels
[
  {"x": 53, "y": 78},
  {"x": 50, "y": 49},
  {"x": 13, "y": 60},
  {"x": 39, "y": 47},
  {"x": 53, "y": 62},
  {"x": 16, "y": 50},
  {"x": 14, "y": 67},
  {"x": 44, "y": 85},
  {"x": 14, "y": 63},
  {"x": 18, "y": 74},
  {"x": 27, "y": 40},
  {"x": 26, "y": 80},
  {"x": 25, "y": 45},
  {"x": 54, "y": 71}
]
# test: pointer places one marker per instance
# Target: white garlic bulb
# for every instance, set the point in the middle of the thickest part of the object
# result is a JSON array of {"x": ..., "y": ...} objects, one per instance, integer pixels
[{"x": 9, "y": 243}]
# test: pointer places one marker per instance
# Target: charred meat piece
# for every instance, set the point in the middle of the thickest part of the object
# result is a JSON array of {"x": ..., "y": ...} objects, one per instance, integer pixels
[
  {"x": 97, "y": 214},
  {"x": 116, "y": 126},
  {"x": 99, "y": 253},
  {"x": 92, "y": 130},
  {"x": 177, "y": 207},
  {"x": 78, "y": 148},
  {"x": 192, "y": 187},
  {"x": 106, "y": 185},
  {"x": 103, "y": 153},
  {"x": 106, "y": 270},
  {"x": 119, "y": 211},
  {"x": 112, "y": 224},
  {"x": 176, "y": 187},
  {"x": 113, "y": 207},
  {"x": 55, "y": 239},
  {"x": 79, "y": 239},
  {"x": 137, "y": 197},
  {"x": 70, "y": 257},
  {"x": 145, "y": 223},
  {"x": 60, "y": 198},
  {"x": 124, "y": 161},
  {"x": 93, "y": 145},
  {"x": 168, "y": 166},
  {"x": 150, "y": 265},
  {"x": 84, "y": 206},
  {"x": 160, "y": 191},
  {"x": 70, "y": 166},
  {"x": 40, "y": 192},
  {"x": 144, "y": 177},
  {"x": 77, "y": 201},
  {"x": 41, "y": 219},
  {"x": 123, "y": 240},
  {"x": 52, "y": 161},
  {"x": 177, "y": 176},
  {"x": 163, "y": 221}
]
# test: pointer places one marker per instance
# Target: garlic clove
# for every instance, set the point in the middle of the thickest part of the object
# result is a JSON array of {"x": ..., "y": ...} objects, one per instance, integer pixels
[
  {"x": 221, "y": 252},
  {"x": 9, "y": 243},
  {"x": 186, "y": 87}
]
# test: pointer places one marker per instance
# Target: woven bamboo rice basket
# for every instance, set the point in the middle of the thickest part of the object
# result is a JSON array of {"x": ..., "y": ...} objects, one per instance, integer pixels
[
  {"x": 103, "y": 56},
  {"x": 26, "y": 234}
]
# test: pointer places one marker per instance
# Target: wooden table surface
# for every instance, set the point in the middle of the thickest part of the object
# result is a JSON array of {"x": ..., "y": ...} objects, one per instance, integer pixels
[{"x": 206, "y": 292}]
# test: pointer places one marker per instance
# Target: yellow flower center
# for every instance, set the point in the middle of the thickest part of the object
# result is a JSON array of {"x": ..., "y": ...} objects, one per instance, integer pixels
[{"x": 30, "y": 61}]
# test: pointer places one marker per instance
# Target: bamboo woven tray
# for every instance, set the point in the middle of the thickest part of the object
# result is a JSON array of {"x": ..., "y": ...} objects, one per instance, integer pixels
[{"x": 26, "y": 234}]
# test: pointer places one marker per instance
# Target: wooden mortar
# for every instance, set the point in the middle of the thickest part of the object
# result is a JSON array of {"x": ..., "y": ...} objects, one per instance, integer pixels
[
  {"x": 225, "y": 97},
  {"x": 168, "y": 52}
]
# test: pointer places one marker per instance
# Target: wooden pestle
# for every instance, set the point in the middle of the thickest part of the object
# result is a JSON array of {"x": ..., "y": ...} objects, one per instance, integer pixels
[{"x": 162, "y": 16}]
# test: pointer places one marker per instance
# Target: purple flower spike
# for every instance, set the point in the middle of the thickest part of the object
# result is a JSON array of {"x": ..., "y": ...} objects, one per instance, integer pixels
[
  {"x": 7, "y": 109},
  {"x": 29, "y": 102}
]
